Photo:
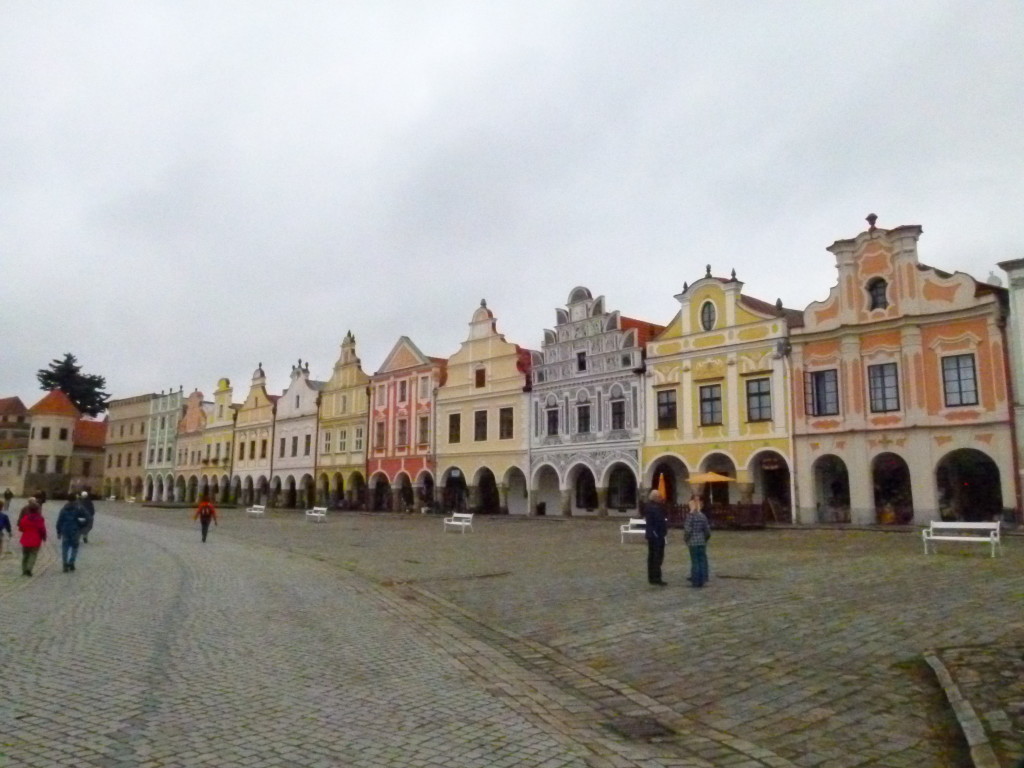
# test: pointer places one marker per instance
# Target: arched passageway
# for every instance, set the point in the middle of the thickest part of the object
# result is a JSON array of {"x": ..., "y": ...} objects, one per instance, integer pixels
[
  {"x": 890, "y": 478},
  {"x": 969, "y": 487},
  {"x": 831, "y": 489}
]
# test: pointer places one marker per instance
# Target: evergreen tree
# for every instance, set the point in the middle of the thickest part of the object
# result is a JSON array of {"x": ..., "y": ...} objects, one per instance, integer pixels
[{"x": 84, "y": 390}]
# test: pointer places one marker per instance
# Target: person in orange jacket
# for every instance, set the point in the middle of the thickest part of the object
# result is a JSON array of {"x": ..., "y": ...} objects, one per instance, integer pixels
[
  {"x": 205, "y": 512},
  {"x": 33, "y": 534}
]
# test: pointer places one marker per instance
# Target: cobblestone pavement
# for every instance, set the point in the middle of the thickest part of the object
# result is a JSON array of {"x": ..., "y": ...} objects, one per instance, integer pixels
[{"x": 380, "y": 640}]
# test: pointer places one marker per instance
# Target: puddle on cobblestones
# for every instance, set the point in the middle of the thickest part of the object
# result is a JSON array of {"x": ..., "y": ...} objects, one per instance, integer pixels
[{"x": 640, "y": 729}]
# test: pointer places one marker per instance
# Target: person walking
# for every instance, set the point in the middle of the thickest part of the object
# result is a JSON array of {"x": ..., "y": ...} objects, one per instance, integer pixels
[
  {"x": 655, "y": 530},
  {"x": 8, "y": 495},
  {"x": 5, "y": 525},
  {"x": 205, "y": 512},
  {"x": 33, "y": 534},
  {"x": 696, "y": 533},
  {"x": 70, "y": 523},
  {"x": 90, "y": 511}
]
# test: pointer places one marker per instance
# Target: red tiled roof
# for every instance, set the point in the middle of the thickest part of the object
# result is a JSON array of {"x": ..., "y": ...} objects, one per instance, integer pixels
[
  {"x": 55, "y": 403},
  {"x": 644, "y": 331},
  {"x": 90, "y": 434},
  {"x": 794, "y": 317},
  {"x": 12, "y": 406}
]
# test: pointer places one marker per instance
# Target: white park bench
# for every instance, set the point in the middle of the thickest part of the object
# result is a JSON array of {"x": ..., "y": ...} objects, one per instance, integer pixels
[
  {"x": 317, "y": 514},
  {"x": 636, "y": 525},
  {"x": 460, "y": 520},
  {"x": 984, "y": 533},
  {"x": 256, "y": 509}
]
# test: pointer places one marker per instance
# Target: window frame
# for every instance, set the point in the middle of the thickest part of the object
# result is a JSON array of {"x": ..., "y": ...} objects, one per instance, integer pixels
[
  {"x": 479, "y": 426},
  {"x": 708, "y": 315},
  {"x": 506, "y": 418},
  {"x": 816, "y": 400},
  {"x": 883, "y": 387},
  {"x": 667, "y": 408},
  {"x": 959, "y": 380},
  {"x": 708, "y": 395},
  {"x": 756, "y": 400}
]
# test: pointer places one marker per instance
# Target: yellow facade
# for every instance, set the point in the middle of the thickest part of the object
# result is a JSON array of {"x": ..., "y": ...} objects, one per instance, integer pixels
[
  {"x": 718, "y": 394},
  {"x": 254, "y": 435},
  {"x": 341, "y": 457},
  {"x": 218, "y": 438},
  {"x": 482, "y": 426}
]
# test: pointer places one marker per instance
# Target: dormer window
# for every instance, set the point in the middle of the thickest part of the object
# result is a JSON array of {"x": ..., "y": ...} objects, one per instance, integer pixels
[
  {"x": 707, "y": 316},
  {"x": 876, "y": 294},
  {"x": 480, "y": 377}
]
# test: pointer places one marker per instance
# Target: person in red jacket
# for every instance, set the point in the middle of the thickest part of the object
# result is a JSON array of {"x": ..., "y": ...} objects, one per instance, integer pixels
[
  {"x": 205, "y": 512},
  {"x": 33, "y": 534}
]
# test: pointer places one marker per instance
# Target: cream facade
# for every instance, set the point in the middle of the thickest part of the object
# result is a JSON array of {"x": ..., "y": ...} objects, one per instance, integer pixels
[
  {"x": 482, "y": 435},
  {"x": 901, "y": 389},
  {"x": 718, "y": 400},
  {"x": 254, "y": 437},
  {"x": 1015, "y": 343},
  {"x": 344, "y": 409},
  {"x": 218, "y": 441},
  {"x": 127, "y": 446},
  {"x": 296, "y": 431}
]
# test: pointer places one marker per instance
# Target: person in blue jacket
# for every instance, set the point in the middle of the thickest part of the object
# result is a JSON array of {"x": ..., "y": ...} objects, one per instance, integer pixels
[
  {"x": 5, "y": 525},
  {"x": 70, "y": 523}
]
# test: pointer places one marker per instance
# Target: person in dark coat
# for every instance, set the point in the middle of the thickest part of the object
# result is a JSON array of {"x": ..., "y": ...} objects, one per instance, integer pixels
[
  {"x": 656, "y": 529},
  {"x": 33, "y": 534},
  {"x": 90, "y": 510},
  {"x": 70, "y": 523}
]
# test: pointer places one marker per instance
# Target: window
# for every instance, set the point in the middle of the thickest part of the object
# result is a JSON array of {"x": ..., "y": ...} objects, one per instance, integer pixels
[
  {"x": 667, "y": 409},
  {"x": 216, "y": 452},
  {"x": 876, "y": 294},
  {"x": 63, "y": 433},
  {"x": 281, "y": 452},
  {"x": 581, "y": 361},
  {"x": 759, "y": 400},
  {"x": 618, "y": 414},
  {"x": 402, "y": 433},
  {"x": 307, "y": 445},
  {"x": 58, "y": 465},
  {"x": 454, "y": 427},
  {"x": 424, "y": 430},
  {"x": 344, "y": 403},
  {"x": 480, "y": 425},
  {"x": 343, "y": 440},
  {"x": 359, "y": 439},
  {"x": 252, "y": 449},
  {"x": 505, "y": 423},
  {"x": 327, "y": 442},
  {"x": 41, "y": 464},
  {"x": 296, "y": 402},
  {"x": 424, "y": 387},
  {"x": 263, "y": 448},
  {"x": 152, "y": 453},
  {"x": 44, "y": 434},
  {"x": 140, "y": 458},
  {"x": 163, "y": 422},
  {"x": 381, "y": 394},
  {"x": 121, "y": 431},
  {"x": 220, "y": 411},
  {"x": 295, "y": 445},
  {"x": 821, "y": 396},
  {"x": 583, "y": 418},
  {"x": 87, "y": 467},
  {"x": 118, "y": 462},
  {"x": 480, "y": 377},
  {"x": 128, "y": 460},
  {"x": 160, "y": 455},
  {"x": 241, "y": 451},
  {"x": 552, "y": 421},
  {"x": 711, "y": 405},
  {"x": 403, "y": 391},
  {"x": 883, "y": 388},
  {"x": 378, "y": 435},
  {"x": 959, "y": 381},
  {"x": 707, "y": 316}
]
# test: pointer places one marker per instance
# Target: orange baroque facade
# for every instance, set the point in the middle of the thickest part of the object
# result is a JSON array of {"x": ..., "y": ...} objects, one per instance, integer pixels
[{"x": 901, "y": 408}]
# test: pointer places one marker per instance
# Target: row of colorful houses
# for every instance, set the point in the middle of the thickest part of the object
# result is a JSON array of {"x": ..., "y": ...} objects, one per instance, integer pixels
[{"x": 891, "y": 401}]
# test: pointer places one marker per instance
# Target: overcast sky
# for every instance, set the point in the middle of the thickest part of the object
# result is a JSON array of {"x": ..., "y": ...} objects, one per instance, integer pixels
[{"x": 189, "y": 189}]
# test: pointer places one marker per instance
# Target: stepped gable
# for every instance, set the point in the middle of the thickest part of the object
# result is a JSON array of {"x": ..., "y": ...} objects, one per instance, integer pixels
[
  {"x": 55, "y": 403},
  {"x": 90, "y": 434}
]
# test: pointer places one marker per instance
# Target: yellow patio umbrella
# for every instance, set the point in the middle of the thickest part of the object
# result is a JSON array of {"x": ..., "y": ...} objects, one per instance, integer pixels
[
  {"x": 661, "y": 487},
  {"x": 710, "y": 477}
]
